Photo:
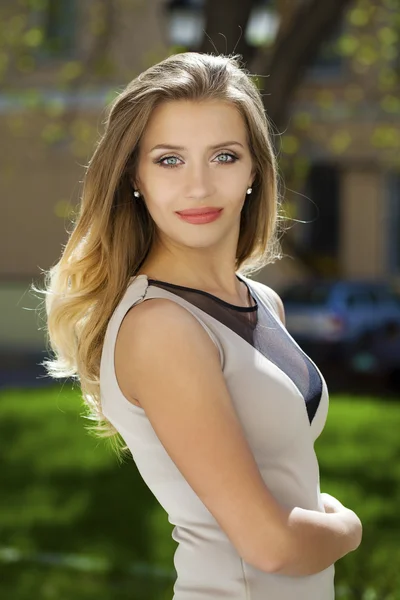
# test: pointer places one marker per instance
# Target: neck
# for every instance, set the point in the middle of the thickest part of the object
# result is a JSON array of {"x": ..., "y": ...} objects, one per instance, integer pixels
[{"x": 227, "y": 287}]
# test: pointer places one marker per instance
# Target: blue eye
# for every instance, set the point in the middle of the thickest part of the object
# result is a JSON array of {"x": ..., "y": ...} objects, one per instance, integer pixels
[
  {"x": 227, "y": 154},
  {"x": 170, "y": 165}
]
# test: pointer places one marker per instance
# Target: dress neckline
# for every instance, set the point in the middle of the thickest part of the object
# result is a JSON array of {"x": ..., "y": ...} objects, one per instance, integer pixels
[{"x": 216, "y": 298}]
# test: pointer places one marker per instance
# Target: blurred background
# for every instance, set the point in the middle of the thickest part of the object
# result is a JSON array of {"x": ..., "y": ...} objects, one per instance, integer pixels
[{"x": 74, "y": 522}]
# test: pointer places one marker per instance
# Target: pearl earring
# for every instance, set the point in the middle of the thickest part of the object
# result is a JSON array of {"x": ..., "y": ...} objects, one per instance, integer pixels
[
  {"x": 249, "y": 190},
  {"x": 136, "y": 194}
]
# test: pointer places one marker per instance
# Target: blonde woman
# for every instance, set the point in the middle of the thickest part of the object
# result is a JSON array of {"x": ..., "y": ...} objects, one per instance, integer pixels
[{"x": 185, "y": 356}]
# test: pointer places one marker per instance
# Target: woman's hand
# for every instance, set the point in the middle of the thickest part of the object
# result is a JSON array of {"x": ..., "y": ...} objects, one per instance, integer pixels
[
  {"x": 331, "y": 504},
  {"x": 351, "y": 521}
]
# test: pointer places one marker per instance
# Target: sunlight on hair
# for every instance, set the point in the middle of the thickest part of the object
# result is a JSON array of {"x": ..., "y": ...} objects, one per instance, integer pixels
[{"x": 111, "y": 236}]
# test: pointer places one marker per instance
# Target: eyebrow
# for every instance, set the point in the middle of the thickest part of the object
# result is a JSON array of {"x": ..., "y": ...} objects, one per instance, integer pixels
[{"x": 173, "y": 147}]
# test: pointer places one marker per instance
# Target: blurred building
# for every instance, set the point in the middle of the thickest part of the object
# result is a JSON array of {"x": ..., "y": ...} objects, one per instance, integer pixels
[{"x": 82, "y": 53}]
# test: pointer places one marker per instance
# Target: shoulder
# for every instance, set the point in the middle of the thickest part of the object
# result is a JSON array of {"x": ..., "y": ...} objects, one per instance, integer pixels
[
  {"x": 273, "y": 297},
  {"x": 155, "y": 319},
  {"x": 159, "y": 332}
]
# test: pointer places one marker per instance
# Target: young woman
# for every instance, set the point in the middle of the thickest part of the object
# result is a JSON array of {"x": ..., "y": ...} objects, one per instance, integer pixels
[{"x": 181, "y": 353}]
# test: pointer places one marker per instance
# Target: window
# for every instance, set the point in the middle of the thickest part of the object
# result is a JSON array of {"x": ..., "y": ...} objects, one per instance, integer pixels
[
  {"x": 56, "y": 19},
  {"x": 329, "y": 62},
  {"x": 317, "y": 235},
  {"x": 57, "y": 26},
  {"x": 360, "y": 300}
]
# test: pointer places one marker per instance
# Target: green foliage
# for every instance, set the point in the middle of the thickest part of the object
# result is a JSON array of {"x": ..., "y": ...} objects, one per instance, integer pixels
[
  {"x": 27, "y": 581},
  {"x": 64, "y": 492},
  {"x": 366, "y": 90},
  {"x": 33, "y": 33},
  {"x": 359, "y": 456}
]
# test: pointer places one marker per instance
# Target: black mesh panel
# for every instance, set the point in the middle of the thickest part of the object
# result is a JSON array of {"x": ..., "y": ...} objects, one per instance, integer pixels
[{"x": 258, "y": 326}]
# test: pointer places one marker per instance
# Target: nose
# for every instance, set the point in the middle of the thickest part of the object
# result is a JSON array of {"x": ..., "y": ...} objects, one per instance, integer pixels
[{"x": 199, "y": 182}]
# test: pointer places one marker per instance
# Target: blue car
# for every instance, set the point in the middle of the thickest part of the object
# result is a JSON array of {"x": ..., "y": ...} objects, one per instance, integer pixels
[{"x": 328, "y": 318}]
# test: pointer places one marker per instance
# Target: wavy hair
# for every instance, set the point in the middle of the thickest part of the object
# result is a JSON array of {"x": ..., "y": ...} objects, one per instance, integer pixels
[{"x": 112, "y": 235}]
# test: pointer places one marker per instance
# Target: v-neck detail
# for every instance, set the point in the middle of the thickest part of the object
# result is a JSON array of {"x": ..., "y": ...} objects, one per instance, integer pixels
[{"x": 281, "y": 353}]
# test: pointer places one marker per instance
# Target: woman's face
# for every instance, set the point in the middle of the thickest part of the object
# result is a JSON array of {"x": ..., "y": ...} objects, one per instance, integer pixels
[{"x": 195, "y": 155}]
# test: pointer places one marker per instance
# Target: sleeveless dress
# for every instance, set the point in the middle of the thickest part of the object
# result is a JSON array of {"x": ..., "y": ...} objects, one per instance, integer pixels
[{"x": 281, "y": 400}]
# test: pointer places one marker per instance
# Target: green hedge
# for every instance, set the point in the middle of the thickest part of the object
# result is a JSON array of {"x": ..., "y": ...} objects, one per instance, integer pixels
[
  {"x": 359, "y": 456},
  {"x": 65, "y": 494}
]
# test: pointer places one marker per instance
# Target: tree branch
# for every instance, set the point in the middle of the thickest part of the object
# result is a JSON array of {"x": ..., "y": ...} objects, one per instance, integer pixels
[
  {"x": 225, "y": 23},
  {"x": 294, "y": 50}
]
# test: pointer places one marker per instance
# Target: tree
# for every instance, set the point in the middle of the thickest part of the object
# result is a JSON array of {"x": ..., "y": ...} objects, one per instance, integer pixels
[
  {"x": 304, "y": 26},
  {"x": 280, "y": 66},
  {"x": 366, "y": 35}
]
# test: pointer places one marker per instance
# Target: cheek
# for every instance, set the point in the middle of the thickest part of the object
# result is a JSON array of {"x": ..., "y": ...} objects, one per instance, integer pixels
[
  {"x": 232, "y": 187},
  {"x": 159, "y": 181},
  {"x": 234, "y": 176},
  {"x": 160, "y": 199}
]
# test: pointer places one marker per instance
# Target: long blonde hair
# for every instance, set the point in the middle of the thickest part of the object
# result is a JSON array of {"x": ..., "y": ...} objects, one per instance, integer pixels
[{"x": 112, "y": 235}]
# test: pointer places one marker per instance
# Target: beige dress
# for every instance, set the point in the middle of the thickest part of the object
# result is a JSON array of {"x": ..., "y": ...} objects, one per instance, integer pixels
[{"x": 281, "y": 399}]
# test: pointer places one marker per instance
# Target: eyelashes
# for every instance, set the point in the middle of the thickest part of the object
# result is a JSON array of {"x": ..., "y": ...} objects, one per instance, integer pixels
[{"x": 173, "y": 166}]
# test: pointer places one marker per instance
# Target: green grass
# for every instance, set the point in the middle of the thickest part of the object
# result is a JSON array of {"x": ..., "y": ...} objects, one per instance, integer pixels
[
  {"x": 63, "y": 491},
  {"x": 359, "y": 456}
]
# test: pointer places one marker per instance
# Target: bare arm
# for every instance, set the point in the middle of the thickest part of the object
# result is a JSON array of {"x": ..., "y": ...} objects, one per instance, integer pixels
[{"x": 166, "y": 361}]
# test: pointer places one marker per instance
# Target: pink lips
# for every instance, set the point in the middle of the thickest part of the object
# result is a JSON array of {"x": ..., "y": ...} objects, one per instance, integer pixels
[
  {"x": 198, "y": 211},
  {"x": 200, "y": 216}
]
